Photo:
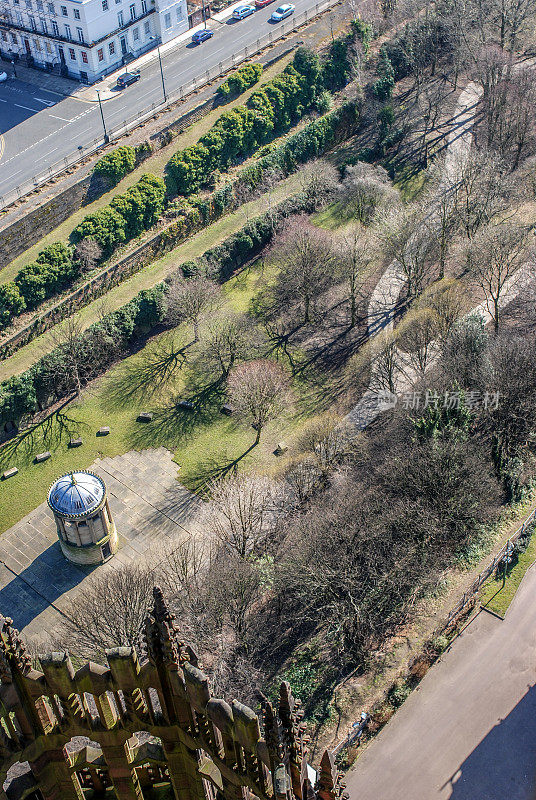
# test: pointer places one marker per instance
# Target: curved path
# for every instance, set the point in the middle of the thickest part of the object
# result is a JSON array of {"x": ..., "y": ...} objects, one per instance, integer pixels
[{"x": 384, "y": 299}]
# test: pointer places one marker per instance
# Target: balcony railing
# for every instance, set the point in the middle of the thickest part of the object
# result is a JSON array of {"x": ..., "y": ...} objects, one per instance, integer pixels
[{"x": 11, "y": 25}]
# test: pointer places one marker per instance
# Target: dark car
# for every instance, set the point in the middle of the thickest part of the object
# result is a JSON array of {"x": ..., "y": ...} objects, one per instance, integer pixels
[
  {"x": 200, "y": 36},
  {"x": 127, "y": 78}
]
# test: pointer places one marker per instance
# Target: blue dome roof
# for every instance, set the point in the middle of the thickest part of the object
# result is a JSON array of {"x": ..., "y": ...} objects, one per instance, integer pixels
[{"x": 76, "y": 494}]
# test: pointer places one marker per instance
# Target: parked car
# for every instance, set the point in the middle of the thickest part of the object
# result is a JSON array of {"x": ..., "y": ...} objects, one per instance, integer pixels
[
  {"x": 262, "y": 3},
  {"x": 127, "y": 78},
  {"x": 282, "y": 12},
  {"x": 3, "y": 77},
  {"x": 200, "y": 36},
  {"x": 243, "y": 11}
]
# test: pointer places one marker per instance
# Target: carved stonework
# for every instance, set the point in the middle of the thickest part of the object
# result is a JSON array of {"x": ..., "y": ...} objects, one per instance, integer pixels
[{"x": 142, "y": 721}]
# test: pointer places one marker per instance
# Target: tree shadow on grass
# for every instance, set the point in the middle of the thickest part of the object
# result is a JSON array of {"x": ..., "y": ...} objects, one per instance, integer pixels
[
  {"x": 141, "y": 378},
  {"x": 212, "y": 469},
  {"x": 46, "y": 434}
]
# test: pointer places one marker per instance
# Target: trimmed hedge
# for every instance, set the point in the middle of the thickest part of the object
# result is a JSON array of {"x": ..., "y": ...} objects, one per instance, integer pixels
[
  {"x": 116, "y": 164},
  {"x": 241, "y": 80}
]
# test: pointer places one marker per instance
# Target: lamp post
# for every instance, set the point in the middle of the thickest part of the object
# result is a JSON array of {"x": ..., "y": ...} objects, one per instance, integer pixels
[
  {"x": 106, "y": 139},
  {"x": 161, "y": 69},
  {"x": 14, "y": 70},
  {"x": 204, "y": 14}
]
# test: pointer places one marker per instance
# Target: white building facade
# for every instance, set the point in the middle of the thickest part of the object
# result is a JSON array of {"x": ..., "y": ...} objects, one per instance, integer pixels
[{"x": 87, "y": 39}]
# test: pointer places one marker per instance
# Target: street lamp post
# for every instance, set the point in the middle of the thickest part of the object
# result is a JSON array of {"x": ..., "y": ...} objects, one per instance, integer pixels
[
  {"x": 161, "y": 70},
  {"x": 14, "y": 70},
  {"x": 106, "y": 138}
]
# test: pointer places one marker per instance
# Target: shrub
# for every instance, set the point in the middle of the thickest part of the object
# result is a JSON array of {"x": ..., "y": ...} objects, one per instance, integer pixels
[
  {"x": 383, "y": 88},
  {"x": 116, "y": 164},
  {"x": 241, "y": 80},
  {"x": 106, "y": 227},
  {"x": 399, "y": 693},
  {"x": 12, "y": 302},
  {"x": 17, "y": 398}
]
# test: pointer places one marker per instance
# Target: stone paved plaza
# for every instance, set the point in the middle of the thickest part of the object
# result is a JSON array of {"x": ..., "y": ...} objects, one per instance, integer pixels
[{"x": 150, "y": 508}]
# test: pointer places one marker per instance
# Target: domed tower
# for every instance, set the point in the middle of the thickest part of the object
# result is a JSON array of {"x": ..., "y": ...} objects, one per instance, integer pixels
[{"x": 85, "y": 526}]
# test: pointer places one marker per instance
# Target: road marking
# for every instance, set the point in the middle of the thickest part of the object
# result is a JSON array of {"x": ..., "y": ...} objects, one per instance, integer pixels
[
  {"x": 27, "y": 108},
  {"x": 2, "y": 146},
  {"x": 2, "y": 101},
  {"x": 49, "y": 91},
  {"x": 61, "y": 118},
  {"x": 45, "y": 102}
]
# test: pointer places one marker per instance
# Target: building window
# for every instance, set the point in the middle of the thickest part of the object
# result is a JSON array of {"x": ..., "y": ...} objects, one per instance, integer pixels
[
  {"x": 167, "y": 21},
  {"x": 33, "y": 26},
  {"x": 39, "y": 5},
  {"x": 37, "y": 45},
  {"x": 132, "y": 11},
  {"x": 147, "y": 27},
  {"x": 84, "y": 57},
  {"x": 48, "y": 47},
  {"x": 16, "y": 2},
  {"x": 80, "y": 33},
  {"x": 43, "y": 24},
  {"x": 144, "y": 6},
  {"x": 19, "y": 18},
  {"x": 13, "y": 38},
  {"x": 64, "y": 11},
  {"x": 28, "y": 3},
  {"x": 120, "y": 19},
  {"x": 179, "y": 13},
  {"x": 51, "y": 8},
  {"x": 76, "y": 13},
  {"x": 100, "y": 54},
  {"x": 136, "y": 34},
  {"x": 68, "y": 31},
  {"x": 55, "y": 29},
  {"x": 105, "y": 5},
  {"x": 4, "y": 36},
  {"x": 72, "y": 54},
  {"x": 117, "y": 2},
  {"x": 111, "y": 48}
]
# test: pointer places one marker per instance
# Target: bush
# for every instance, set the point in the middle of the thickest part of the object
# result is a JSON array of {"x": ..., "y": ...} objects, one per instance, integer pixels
[
  {"x": 116, "y": 164},
  {"x": 383, "y": 88},
  {"x": 12, "y": 302},
  {"x": 52, "y": 271},
  {"x": 17, "y": 398},
  {"x": 241, "y": 80},
  {"x": 399, "y": 693}
]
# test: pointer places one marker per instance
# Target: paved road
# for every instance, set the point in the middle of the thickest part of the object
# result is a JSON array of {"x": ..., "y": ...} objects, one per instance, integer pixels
[
  {"x": 40, "y": 127},
  {"x": 468, "y": 732}
]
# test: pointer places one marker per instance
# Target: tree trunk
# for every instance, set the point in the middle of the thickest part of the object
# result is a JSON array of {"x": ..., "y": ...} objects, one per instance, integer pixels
[{"x": 258, "y": 436}]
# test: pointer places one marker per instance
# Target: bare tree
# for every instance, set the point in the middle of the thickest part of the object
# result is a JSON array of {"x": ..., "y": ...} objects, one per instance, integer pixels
[
  {"x": 71, "y": 366},
  {"x": 318, "y": 180},
  {"x": 495, "y": 258},
  {"x": 417, "y": 337},
  {"x": 110, "y": 612},
  {"x": 88, "y": 252},
  {"x": 188, "y": 299},
  {"x": 444, "y": 298},
  {"x": 482, "y": 189},
  {"x": 365, "y": 189},
  {"x": 260, "y": 390},
  {"x": 228, "y": 341},
  {"x": 306, "y": 259},
  {"x": 355, "y": 255},
  {"x": 385, "y": 364},
  {"x": 402, "y": 236},
  {"x": 442, "y": 218},
  {"x": 242, "y": 512}
]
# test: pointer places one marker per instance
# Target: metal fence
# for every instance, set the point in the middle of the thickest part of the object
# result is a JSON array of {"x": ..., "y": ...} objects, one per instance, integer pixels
[
  {"x": 128, "y": 124},
  {"x": 489, "y": 570}
]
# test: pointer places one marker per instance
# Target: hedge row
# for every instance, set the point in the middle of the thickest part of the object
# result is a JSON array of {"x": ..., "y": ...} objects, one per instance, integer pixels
[
  {"x": 56, "y": 267},
  {"x": 241, "y": 80},
  {"x": 269, "y": 111},
  {"x": 103, "y": 342}
]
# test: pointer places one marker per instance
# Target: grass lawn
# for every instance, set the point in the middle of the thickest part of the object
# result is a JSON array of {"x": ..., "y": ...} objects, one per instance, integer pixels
[
  {"x": 496, "y": 597},
  {"x": 206, "y": 444},
  {"x": 155, "y": 272},
  {"x": 155, "y": 164}
]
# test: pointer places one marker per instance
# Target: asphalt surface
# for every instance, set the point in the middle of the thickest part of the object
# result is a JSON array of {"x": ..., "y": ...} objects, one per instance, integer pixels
[
  {"x": 39, "y": 127},
  {"x": 468, "y": 732}
]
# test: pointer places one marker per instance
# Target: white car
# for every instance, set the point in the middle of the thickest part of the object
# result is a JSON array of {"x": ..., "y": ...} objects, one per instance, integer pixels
[
  {"x": 282, "y": 12},
  {"x": 243, "y": 11},
  {"x": 3, "y": 77}
]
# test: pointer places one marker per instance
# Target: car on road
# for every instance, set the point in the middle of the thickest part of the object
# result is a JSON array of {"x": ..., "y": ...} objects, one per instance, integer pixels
[
  {"x": 200, "y": 36},
  {"x": 127, "y": 78},
  {"x": 243, "y": 11},
  {"x": 3, "y": 77},
  {"x": 262, "y": 3},
  {"x": 282, "y": 12}
]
